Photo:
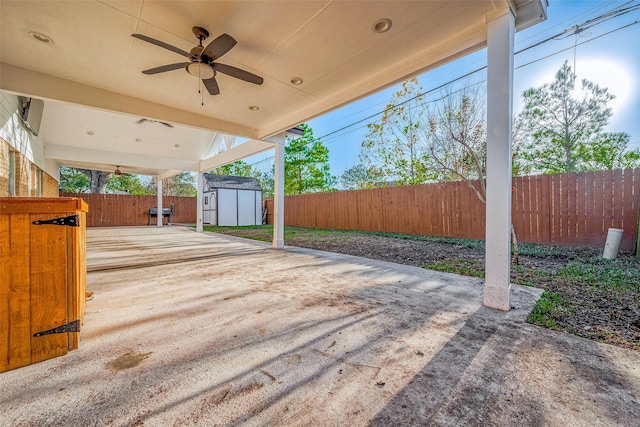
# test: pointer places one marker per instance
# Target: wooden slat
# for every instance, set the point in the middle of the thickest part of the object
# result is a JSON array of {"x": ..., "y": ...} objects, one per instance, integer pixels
[
  {"x": 545, "y": 207},
  {"x": 520, "y": 209},
  {"x": 607, "y": 200},
  {"x": 15, "y": 295},
  {"x": 631, "y": 194},
  {"x": 35, "y": 204},
  {"x": 76, "y": 274},
  {"x": 617, "y": 216},
  {"x": 571, "y": 182},
  {"x": 591, "y": 231},
  {"x": 598, "y": 208},
  {"x": 556, "y": 232},
  {"x": 48, "y": 266}
]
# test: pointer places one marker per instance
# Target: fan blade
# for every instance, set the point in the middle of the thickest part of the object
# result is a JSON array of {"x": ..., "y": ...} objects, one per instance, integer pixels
[
  {"x": 238, "y": 73},
  {"x": 221, "y": 45},
  {"x": 212, "y": 86},
  {"x": 161, "y": 44},
  {"x": 163, "y": 68}
]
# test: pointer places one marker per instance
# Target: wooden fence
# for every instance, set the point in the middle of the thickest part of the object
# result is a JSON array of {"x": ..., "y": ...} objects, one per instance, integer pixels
[
  {"x": 112, "y": 210},
  {"x": 563, "y": 209}
]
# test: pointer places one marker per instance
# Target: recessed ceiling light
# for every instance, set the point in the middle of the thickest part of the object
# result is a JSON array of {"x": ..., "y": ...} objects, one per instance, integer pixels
[
  {"x": 382, "y": 25},
  {"x": 41, "y": 37},
  {"x": 254, "y": 108},
  {"x": 90, "y": 132},
  {"x": 296, "y": 80},
  {"x": 138, "y": 139}
]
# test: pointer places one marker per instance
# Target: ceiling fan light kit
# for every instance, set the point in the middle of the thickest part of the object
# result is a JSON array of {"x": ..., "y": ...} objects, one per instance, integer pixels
[
  {"x": 200, "y": 70},
  {"x": 202, "y": 60}
]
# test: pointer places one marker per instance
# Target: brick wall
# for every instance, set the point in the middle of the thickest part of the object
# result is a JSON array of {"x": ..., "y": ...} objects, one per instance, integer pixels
[
  {"x": 23, "y": 175},
  {"x": 26, "y": 176},
  {"x": 49, "y": 186}
]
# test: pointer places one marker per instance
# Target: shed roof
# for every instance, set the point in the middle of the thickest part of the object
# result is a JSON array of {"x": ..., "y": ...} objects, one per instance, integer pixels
[{"x": 232, "y": 182}]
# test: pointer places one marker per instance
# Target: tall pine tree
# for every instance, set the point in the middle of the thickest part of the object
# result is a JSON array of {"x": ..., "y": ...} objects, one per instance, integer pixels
[{"x": 306, "y": 162}]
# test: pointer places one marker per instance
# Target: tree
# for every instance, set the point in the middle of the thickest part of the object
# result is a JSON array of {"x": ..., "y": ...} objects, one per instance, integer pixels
[
  {"x": 456, "y": 138},
  {"x": 126, "y": 183},
  {"x": 238, "y": 168},
  {"x": 457, "y": 142},
  {"x": 182, "y": 184},
  {"x": 241, "y": 168},
  {"x": 358, "y": 177},
  {"x": 611, "y": 152},
  {"x": 392, "y": 148},
  {"x": 267, "y": 181},
  {"x": 306, "y": 165},
  {"x": 73, "y": 181},
  {"x": 97, "y": 180},
  {"x": 565, "y": 127}
]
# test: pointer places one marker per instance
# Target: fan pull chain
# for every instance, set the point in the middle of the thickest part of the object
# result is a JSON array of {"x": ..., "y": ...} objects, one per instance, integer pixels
[{"x": 200, "y": 84}]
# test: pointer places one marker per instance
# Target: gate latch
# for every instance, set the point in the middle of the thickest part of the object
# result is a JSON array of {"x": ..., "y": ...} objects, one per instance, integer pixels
[
  {"x": 69, "y": 327},
  {"x": 71, "y": 221}
]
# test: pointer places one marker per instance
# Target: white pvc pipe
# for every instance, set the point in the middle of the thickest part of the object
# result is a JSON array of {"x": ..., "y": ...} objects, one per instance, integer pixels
[{"x": 612, "y": 246}]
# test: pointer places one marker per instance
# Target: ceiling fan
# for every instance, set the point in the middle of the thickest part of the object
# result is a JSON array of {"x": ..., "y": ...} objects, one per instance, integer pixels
[
  {"x": 141, "y": 121},
  {"x": 118, "y": 172},
  {"x": 202, "y": 60}
]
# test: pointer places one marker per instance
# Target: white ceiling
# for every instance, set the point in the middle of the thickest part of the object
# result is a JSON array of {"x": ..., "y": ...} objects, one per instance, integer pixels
[{"x": 90, "y": 77}]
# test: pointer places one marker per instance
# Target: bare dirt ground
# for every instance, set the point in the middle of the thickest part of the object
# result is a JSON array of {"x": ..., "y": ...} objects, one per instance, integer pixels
[{"x": 605, "y": 313}]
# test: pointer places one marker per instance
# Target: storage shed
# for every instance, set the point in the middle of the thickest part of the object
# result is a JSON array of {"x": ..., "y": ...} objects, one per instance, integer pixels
[{"x": 231, "y": 200}]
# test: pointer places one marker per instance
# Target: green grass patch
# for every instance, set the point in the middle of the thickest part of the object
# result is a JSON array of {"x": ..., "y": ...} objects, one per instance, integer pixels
[
  {"x": 549, "y": 307},
  {"x": 263, "y": 233},
  {"x": 458, "y": 266},
  {"x": 470, "y": 243},
  {"x": 617, "y": 273}
]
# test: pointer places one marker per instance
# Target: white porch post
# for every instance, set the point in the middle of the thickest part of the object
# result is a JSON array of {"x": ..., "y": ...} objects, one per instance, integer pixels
[
  {"x": 278, "y": 197},
  {"x": 500, "y": 38},
  {"x": 159, "y": 193},
  {"x": 199, "y": 207}
]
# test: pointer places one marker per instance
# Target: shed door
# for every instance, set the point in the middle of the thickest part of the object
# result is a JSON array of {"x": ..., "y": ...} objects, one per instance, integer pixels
[
  {"x": 246, "y": 207},
  {"x": 227, "y": 207},
  {"x": 209, "y": 215}
]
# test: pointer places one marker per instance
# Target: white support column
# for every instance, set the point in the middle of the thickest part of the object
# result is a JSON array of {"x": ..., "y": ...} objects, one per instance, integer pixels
[
  {"x": 200, "y": 187},
  {"x": 159, "y": 193},
  {"x": 278, "y": 197},
  {"x": 500, "y": 38}
]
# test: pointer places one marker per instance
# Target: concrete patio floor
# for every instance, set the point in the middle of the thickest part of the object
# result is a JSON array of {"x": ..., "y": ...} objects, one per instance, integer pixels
[{"x": 203, "y": 329}]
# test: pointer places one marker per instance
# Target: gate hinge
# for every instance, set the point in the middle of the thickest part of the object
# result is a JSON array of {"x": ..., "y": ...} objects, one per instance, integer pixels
[
  {"x": 71, "y": 221},
  {"x": 69, "y": 327}
]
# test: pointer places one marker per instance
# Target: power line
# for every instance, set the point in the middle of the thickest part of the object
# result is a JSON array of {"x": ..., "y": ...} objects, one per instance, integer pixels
[
  {"x": 614, "y": 13},
  {"x": 619, "y": 11},
  {"x": 577, "y": 44},
  {"x": 465, "y": 76},
  {"x": 469, "y": 74}
]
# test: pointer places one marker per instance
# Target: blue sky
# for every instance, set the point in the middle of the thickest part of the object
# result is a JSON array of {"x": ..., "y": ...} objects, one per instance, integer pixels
[{"x": 610, "y": 60}]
